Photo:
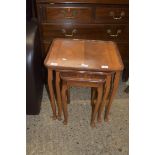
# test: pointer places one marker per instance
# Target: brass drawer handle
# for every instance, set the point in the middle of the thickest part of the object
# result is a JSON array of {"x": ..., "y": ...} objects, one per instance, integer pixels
[
  {"x": 114, "y": 35},
  {"x": 122, "y": 14},
  {"x": 69, "y": 35},
  {"x": 68, "y": 14},
  {"x": 69, "y": 17}
]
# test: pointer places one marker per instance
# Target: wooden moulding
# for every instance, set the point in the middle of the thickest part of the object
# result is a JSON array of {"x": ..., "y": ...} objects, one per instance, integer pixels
[{"x": 87, "y": 1}]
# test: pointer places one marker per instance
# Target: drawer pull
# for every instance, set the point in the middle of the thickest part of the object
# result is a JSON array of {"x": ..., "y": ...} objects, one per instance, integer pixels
[
  {"x": 117, "y": 18},
  {"x": 114, "y": 35},
  {"x": 69, "y": 35},
  {"x": 68, "y": 14},
  {"x": 69, "y": 17}
]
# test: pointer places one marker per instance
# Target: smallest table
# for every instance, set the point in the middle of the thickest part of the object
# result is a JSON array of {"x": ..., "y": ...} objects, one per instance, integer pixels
[{"x": 82, "y": 55}]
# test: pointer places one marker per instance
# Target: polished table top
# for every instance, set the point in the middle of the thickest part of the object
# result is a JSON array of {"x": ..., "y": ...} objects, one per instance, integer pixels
[{"x": 84, "y": 55}]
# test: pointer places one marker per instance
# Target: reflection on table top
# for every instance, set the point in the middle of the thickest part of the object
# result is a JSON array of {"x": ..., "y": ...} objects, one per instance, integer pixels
[{"x": 84, "y": 55}]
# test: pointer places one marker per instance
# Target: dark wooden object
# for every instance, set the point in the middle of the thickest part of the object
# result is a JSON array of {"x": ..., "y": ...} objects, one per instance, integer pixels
[
  {"x": 74, "y": 55},
  {"x": 85, "y": 19},
  {"x": 82, "y": 80}
]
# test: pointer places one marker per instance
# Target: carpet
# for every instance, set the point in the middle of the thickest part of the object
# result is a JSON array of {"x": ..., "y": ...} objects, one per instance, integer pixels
[{"x": 48, "y": 137}]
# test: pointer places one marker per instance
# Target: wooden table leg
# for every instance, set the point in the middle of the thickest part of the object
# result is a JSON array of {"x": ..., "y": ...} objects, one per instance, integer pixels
[
  {"x": 105, "y": 96},
  {"x": 58, "y": 95},
  {"x": 50, "y": 86},
  {"x": 97, "y": 104},
  {"x": 93, "y": 99},
  {"x": 68, "y": 96},
  {"x": 64, "y": 102},
  {"x": 114, "y": 89}
]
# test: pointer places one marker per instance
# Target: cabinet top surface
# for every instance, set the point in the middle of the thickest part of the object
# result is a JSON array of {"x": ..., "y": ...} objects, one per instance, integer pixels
[
  {"x": 81, "y": 54},
  {"x": 87, "y": 1}
]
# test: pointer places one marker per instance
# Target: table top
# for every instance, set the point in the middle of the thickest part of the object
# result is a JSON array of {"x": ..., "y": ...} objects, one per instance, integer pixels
[{"x": 78, "y": 54}]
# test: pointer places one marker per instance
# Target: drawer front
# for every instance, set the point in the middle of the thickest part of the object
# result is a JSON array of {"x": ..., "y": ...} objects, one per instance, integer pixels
[
  {"x": 70, "y": 31},
  {"x": 51, "y": 14},
  {"x": 111, "y": 15},
  {"x": 118, "y": 33}
]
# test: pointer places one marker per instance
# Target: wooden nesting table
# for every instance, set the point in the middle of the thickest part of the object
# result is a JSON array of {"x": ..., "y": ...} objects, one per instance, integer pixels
[{"x": 82, "y": 55}]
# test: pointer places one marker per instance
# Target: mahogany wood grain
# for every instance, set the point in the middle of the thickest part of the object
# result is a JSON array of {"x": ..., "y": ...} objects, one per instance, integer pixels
[
  {"x": 69, "y": 80},
  {"x": 81, "y": 76},
  {"x": 50, "y": 86},
  {"x": 114, "y": 89},
  {"x": 67, "y": 14},
  {"x": 85, "y": 19},
  {"x": 97, "y": 104},
  {"x": 117, "y": 33},
  {"x": 93, "y": 98},
  {"x": 78, "y": 54},
  {"x": 86, "y": 1},
  {"x": 64, "y": 103},
  {"x": 68, "y": 96},
  {"x": 73, "y": 55},
  {"x": 105, "y": 97},
  {"x": 123, "y": 49},
  {"x": 58, "y": 95},
  {"x": 112, "y": 14}
]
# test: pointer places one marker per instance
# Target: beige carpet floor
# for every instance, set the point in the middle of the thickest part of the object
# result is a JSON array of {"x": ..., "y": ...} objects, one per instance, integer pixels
[{"x": 48, "y": 137}]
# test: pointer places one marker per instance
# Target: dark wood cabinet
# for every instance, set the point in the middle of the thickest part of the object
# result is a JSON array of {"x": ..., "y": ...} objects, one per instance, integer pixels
[
  {"x": 85, "y": 19},
  {"x": 112, "y": 14}
]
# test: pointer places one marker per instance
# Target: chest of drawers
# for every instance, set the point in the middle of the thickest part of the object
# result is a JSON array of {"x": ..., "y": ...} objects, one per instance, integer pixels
[{"x": 85, "y": 19}]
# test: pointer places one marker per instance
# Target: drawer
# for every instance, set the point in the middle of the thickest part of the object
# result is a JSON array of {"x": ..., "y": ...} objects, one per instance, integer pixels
[
  {"x": 118, "y": 33},
  {"x": 112, "y": 15},
  {"x": 70, "y": 31},
  {"x": 51, "y": 14}
]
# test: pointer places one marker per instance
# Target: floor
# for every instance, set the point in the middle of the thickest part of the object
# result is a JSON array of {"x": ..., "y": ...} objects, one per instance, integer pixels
[{"x": 48, "y": 137}]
